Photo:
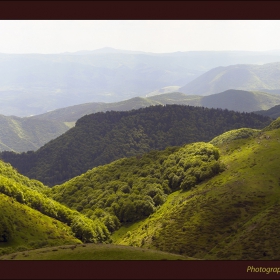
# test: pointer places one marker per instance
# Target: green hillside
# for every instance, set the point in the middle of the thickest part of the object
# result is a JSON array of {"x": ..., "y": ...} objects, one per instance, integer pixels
[
  {"x": 100, "y": 138},
  {"x": 30, "y": 219},
  {"x": 240, "y": 76},
  {"x": 233, "y": 215},
  {"x": 23, "y": 228},
  {"x": 24, "y": 134}
]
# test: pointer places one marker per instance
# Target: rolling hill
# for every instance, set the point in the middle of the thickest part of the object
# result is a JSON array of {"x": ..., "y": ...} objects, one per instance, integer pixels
[
  {"x": 100, "y": 138},
  {"x": 241, "y": 76}
]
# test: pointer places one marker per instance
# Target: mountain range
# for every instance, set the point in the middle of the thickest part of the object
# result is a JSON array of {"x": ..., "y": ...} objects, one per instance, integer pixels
[{"x": 32, "y": 84}]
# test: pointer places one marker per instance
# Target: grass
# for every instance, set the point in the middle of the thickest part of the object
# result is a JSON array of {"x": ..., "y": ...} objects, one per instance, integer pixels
[
  {"x": 93, "y": 252},
  {"x": 31, "y": 229}
]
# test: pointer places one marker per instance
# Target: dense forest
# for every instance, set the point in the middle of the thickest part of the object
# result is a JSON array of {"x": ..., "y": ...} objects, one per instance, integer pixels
[
  {"x": 131, "y": 189},
  {"x": 101, "y": 138}
]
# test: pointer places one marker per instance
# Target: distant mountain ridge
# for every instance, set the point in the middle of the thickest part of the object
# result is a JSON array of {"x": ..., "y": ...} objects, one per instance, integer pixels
[
  {"x": 73, "y": 113},
  {"x": 32, "y": 84},
  {"x": 237, "y": 100},
  {"x": 241, "y": 76}
]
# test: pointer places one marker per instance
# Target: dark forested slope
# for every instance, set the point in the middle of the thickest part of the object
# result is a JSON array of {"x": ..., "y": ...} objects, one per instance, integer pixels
[{"x": 100, "y": 138}]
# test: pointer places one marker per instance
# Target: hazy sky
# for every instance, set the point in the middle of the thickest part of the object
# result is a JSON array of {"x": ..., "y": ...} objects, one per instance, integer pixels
[{"x": 160, "y": 36}]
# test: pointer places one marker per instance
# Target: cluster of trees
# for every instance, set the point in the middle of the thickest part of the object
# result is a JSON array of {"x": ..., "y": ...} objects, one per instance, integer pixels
[
  {"x": 131, "y": 189},
  {"x": 101, "y": 138}
]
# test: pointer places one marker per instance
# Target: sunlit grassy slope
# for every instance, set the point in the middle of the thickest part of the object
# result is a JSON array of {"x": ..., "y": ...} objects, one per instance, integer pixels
[
  {"x": 93, "y": 252},
  {"x": 30, "y": 228},
  {"x": 29, "y": 219},
  {"x": 234, "y": 215}
]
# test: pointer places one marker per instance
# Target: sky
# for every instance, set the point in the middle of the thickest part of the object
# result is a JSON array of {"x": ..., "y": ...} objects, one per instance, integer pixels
[{"x": 157, "y": 36}]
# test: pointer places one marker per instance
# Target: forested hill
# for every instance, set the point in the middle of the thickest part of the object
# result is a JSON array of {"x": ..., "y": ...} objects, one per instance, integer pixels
[{"x": 101, "y": 138}]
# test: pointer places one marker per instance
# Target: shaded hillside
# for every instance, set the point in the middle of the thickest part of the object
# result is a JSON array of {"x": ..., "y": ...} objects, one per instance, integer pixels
[
  {"x": 24, "y": 134},
  {"x": 240, "y": 76},
  {"x": 101, "y": 138},
  {"x": 240, "y": 100},
  {"x": 234, "y": 215},
  {"x": 273, "y": 112}
]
